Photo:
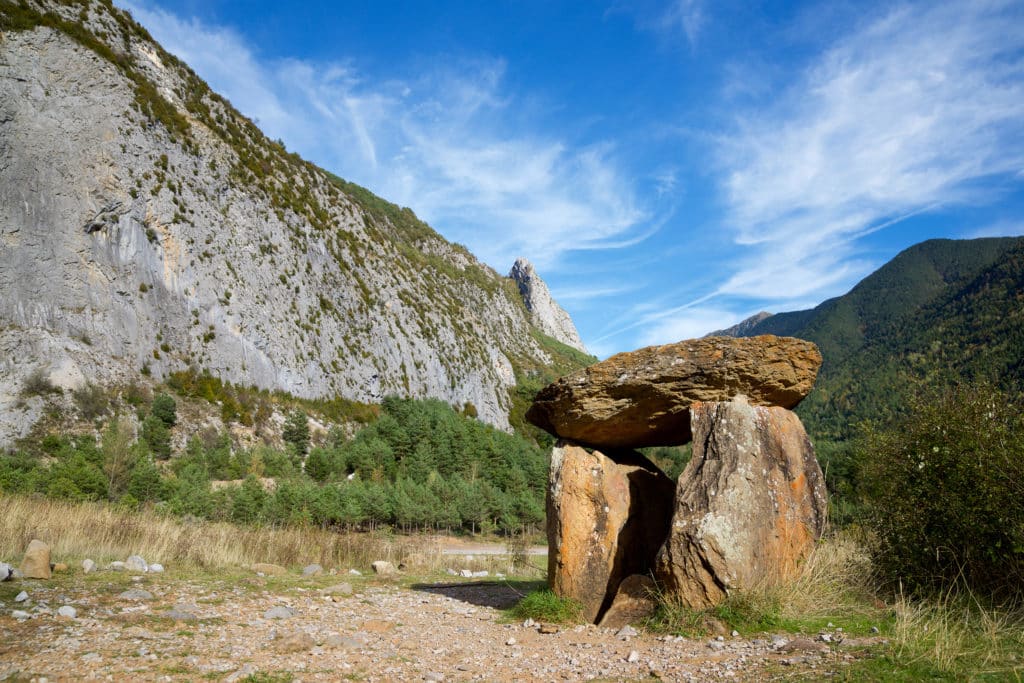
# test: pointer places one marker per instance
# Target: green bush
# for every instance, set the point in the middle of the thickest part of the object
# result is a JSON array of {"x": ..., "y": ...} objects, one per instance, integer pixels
[
  {"x": 165, "y": 408},
  {"x": 944, "y": 492},
  {"x": 296, "y": 431},
  {"x": 157, "y": 437}
]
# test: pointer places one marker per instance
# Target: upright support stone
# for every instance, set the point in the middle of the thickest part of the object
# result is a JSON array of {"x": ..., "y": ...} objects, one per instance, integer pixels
[
  {"x": 606, "y": 521},
  {"x": 749, "y": 505}
]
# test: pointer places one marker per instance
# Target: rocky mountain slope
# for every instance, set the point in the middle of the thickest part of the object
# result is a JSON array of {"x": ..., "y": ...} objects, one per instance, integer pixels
[
  {"x": 940, "y": 311},
  {"x": 545, "y": 313},
  {"x": 147, "y": 226}
]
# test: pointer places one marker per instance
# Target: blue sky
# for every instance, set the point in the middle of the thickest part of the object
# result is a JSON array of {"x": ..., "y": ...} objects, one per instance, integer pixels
[{"x": 670, "y": 167}]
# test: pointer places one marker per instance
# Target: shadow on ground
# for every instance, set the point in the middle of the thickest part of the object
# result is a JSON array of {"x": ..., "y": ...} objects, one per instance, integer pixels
[{"x": 498, "y": 594}]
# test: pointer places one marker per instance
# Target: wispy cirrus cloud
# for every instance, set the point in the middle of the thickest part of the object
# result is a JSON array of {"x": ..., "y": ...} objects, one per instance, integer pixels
[
  {"x": 904, "y": 115},
  {"x": 437, "y": 140}
]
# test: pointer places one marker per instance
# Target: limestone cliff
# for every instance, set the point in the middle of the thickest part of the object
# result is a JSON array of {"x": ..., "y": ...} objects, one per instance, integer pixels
[
  {"x": 545, "y": 313},
  {"x": 147, "y": 226}
]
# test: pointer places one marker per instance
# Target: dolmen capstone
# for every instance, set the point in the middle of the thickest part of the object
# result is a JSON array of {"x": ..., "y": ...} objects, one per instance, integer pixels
[{"x": 745, "y": 512}]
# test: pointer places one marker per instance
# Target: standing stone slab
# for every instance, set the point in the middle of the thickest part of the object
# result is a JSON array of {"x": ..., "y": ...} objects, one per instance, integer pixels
[
  {"x": 749, "y": 506},
  {"x": 643, "y": 398},
  {"x": 36, "y": 563},
  {"x": 606, "y": 520}
]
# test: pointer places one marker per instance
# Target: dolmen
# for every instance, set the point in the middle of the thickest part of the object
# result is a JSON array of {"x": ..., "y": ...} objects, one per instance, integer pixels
[{"x": 744, "y": 513}]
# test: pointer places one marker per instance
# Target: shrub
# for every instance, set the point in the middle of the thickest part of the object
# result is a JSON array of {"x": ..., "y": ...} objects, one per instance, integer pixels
[
  {"x": 296, "y": 431},
  {"x": 165, "y": 408},
  {"x": 943, "y": 493},
  {"x": 155, "y": 434},
  {"x": 38, "y": 383},
  {"x": 91, "y": 400}
]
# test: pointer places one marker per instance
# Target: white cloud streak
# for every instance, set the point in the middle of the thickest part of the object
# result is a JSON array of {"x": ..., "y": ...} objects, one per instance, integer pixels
[
  {"x": 905, "y": 115},
  {"x": 434, "y": 141}
]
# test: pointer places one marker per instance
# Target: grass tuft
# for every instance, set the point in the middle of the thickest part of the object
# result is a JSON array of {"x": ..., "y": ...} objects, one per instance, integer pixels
[{"x": 544, "y": 605}]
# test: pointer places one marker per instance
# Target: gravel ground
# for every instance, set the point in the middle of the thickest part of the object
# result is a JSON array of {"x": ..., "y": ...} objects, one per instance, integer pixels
[{"x": 229, "y": 627}]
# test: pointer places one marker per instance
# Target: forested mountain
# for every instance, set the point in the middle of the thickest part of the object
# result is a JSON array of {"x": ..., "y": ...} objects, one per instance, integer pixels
[
  {"x": 146, "y": 226},
  {"x": 940, "y": 311}
]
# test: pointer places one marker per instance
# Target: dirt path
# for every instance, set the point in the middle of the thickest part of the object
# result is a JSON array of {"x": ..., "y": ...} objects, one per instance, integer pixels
[{"x": 293, "y": 628}]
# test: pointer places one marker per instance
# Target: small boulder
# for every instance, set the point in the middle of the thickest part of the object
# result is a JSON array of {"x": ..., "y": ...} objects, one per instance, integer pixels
[
  {"x": 67, "y": 611},
  {"x": 136, "y": 594},
  {"x": 642, "y": 398},
  {"x": 88, "y": 566},
  {"x": 269, "y": 569},
  {"x": 279, "y": 612},
  {"x": 339, "y": 589},
  {"x": 21, "y": 597},
  {"x": 135, "y": 563},
  {"x": 117, "y": 566},
  {"x": 36, "y": 563},
  {"x": 156, "y": 568},
  {"x": 6, "y": 572},
  {"x": 383, "y": 568},
  {"x": 634, "y": 601},
  {"x": 312, "y": 570}
]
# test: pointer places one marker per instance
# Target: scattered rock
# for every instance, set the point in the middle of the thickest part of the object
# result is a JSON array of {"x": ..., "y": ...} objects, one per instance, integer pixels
[
  {"x": 279, "y": 612},
  {"x": 433, "y": 677},
  {"x": 343, "y": 642},
  {"x": 269, "y": 569},
  {"x": 548, "y": 629},
  {"x": 21, "y": 597},
  {"x": 510, "y": 641},
  {"x": 338, "y": 589},
  {"x": 136, "y": 594},
  {"x": 67, "y": 611},
  {"x": 135, "y": 563},
  {"x": 355, "y": 572},
  {"x": 299, "y": 641},
  {"x": 117, "y": 566},
  {"x": 178, "y": 614},
  {"x": 156, "y": 568},
  {"x": 312, "y": 570},
  {"x": 642, "y": 398},
  {"x": 606, "y": 521},
  {"x": 633, "y": 657},
  {"x": 804, "y": 645},
  {"x": 627, "y": 631},
  {"x": 634, "y": 601},
  {"x": 749, "y": 506},
  {"x": 245, "y": 672},
  {"x": 36, "y": 563},
  {"x": 20, "y": 615},
  {"x": 383, "y": 568}
]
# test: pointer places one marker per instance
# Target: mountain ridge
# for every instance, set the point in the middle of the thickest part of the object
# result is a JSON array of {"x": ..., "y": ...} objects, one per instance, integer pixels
[
  {"x": 147, "y": 226},
  {"x": 940, "y": 311}
]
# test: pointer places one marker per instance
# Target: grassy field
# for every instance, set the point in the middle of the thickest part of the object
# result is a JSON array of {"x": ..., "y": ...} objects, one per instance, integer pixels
[{"x": 954, "y": 637}]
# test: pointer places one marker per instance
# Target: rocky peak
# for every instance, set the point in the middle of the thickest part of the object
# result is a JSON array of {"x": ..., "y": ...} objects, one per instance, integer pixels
[
  {"x": 545, "y": 313},
  {"x": 742, "y": 328}
]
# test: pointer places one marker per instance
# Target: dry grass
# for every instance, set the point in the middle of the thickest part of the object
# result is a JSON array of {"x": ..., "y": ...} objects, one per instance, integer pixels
[
  {"x": 832, "y": 586},
  {"x": 958, "y": 636},
  {"x": 75, "y": 531}
]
